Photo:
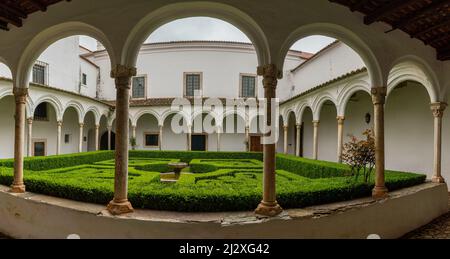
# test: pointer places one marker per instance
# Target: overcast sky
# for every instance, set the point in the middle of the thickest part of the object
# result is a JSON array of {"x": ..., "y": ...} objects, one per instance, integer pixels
[{"x": 203, "y": 28}]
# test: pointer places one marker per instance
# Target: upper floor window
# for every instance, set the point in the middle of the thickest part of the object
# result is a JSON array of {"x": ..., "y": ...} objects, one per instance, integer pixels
[
  {"x": 40, "y": 70},
  {"x": 84, "y": 79},
  {"x": 192, "y": 84},
  {"x": 248, "y": 86},
  {"x": 138, "y": 87},
  {"x": 40, "y": 113}
]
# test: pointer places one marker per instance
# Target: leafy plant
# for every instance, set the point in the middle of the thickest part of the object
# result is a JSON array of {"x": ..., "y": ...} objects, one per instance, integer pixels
[
  {"x": 133, "y": 143},
  {"x": 360, "y": 155}
]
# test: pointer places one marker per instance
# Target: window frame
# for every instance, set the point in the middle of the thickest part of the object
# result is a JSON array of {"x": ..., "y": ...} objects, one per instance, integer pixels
[
  {"x": 185, "y": 75},
  {"x": 34, "y": 141},
  {"x": 151, "y": 133},
  {"x": 241, "y": 82},
  {"x": 145, "y": 87},
  {"x": 83, "y": 79},
  {"x": 68, "y": 139},
  {"x": 46, "y": 113}
]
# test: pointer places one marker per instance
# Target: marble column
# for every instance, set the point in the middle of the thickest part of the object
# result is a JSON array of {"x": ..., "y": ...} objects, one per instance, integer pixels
[
  {"x": 285, "y": 137},
  {"x": 120, "y": 204},
  {"x": 438, "y": 112},
  {"x": 298, "y": 128},
  {"x": 133, "y": 134},
  {"x": 269, "y": 205},
  {"x": 80, "y": 140},
  {"x": 20, "y": 95},
  {"x": 316, "y": 140},
  {"x": 247, "y": 137},
  {"x": 161, "y": 127},
  {"x": 97, "y": 136},
  {"x": 340, "y": 145},
  {"x": 379, "y": 98},
  {"x": 218, "y": 139},
  {"x": 189, "y": 139},
  {"x": 109, "y": 137},
  {"x": 30, "y": 137},
  {"x": 58, "y": 137}
]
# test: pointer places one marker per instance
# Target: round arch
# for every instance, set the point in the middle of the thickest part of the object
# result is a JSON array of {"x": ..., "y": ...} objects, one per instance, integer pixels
[
  {"x": 301, "y": 111},
  {"x": 376, "y": 74},
  {"x": 412, "y": 68},
  {"x": 348, "y": 91},
  {"x": 96, "y": 113},
  {"x": 45, "y": 38},
  {"x": 286, "y": 115},
  {"x": 319, "y": 102},
  {"x": 135, "y": 119},
  {"x": 78, "y": 107},
  {"x": 166, "y": 115},
  {"x": 53, "y": 101},
  {"x": 147, "y": 25}
]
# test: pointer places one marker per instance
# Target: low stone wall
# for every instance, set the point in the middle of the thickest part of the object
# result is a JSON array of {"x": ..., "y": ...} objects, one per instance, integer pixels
[{"x": 38, "y": 216}]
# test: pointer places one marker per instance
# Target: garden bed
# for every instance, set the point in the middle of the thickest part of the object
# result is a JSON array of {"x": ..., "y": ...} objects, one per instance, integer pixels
[{"x": 231, "y": 183}]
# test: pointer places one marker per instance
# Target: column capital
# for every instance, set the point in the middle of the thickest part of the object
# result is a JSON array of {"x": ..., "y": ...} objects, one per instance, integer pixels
[
  {"x": 340, "y": 119},
  {"x": 438, "y": 109},
  {"x": 123, "y": 71},
  {"x": 285, "y": 127},
  {"x": 60, "y": 123},
  {"x": 133, "y": 126},
  {"x": 316, "y": 123},
  {"x": 379, "y": 94},
  {"x": 109, "y": 128},
  {"x": 81, "y": 124},
  {"x": 30, "y": 120},
  {"x": 298, "y": 125},
  {"x": 20, "y": 94},
  {"x": 271, "y": 74},
  {"x": 97, "y": 126}
]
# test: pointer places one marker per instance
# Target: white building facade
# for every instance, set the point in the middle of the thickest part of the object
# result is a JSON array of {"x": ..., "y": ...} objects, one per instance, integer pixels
[{"x": 324, "y": 98}]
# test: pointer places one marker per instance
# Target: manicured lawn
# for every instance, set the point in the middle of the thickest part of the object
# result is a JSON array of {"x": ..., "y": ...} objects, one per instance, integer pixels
[{"x": 210, "y": 184}]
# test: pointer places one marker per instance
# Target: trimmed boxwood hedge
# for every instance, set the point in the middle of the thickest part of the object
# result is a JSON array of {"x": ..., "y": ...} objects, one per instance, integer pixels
[
  {"x": 220, "y": 190},
  {"x": 210, "y": 165},
  {"x": 187, "y": 156}
]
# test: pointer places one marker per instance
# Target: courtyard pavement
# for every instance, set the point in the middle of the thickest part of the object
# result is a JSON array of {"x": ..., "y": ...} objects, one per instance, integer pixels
[{"x": 438, "y": 229}]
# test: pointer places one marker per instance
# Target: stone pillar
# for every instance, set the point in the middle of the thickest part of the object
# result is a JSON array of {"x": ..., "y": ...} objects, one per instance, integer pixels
[
  {"x": 161, "y": 127},
  {"x": 218, "y": 139},
  {"x": 120, "y": 203},
  {"x": 298, "y": 128},
  {"x": 80, "y": 140},
  {"x": 189, "y": 139},
  {"x": 247, "y": 137},
  {"x": 20, "y": 95},
  {"x": 285, "y": 136},
  {"x": 269, "y": 205},
  {"x": 316, "y": 140},
  {"x": 30, "y": 137},
  {"x": 109, "y": 137},
  {"x": 133, "y": 133},
  {"x": 58, "y": 137},
  {"x": 340, "y": 146},
  {"x": 97, "y": 136},
  {"x": 438, "y": 112},
  {"x": 378, "y": 98}
]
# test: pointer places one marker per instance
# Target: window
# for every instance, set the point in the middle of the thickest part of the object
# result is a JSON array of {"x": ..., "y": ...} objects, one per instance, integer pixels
[
  {"x": 151, "y": 139},
  {"x": 84, "y": 79},
  {"x": 39, "y": 148},
  {"x": 138, "y": 88},
  {"x": 248, "y": 86},
  {"x": 40, "y": 113},
  {"x": 66, "y": 138},
  {"x": 39, "y": 75},
  {"x": 192, "y": 84}
]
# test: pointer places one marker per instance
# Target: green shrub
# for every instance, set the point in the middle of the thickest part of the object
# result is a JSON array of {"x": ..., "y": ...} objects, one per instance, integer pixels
[
  {"x": 210, "y": 165},
  {"x": 187, "y": 156},
  {"x": 311, "y": 168}
]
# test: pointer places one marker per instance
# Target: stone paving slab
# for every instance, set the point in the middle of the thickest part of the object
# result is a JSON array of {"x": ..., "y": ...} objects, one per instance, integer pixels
[{"x": 438, "y": 229}]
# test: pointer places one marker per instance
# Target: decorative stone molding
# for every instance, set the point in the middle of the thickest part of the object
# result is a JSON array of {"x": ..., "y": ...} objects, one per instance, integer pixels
[
  {"x": 30, "y": 121},
  {"x": 97, "y": 126},
  {"x": 378, "y": 95},
  {"x": 59, "y": 123},
  {"x": 298, "y": 125},
  {"x": 438, "y": 109},
  {"x": 340, "y": 119},
  {"x": 271, "y": 74},
  {"x": 81, "y": 125},
  {"x": 122, "y": 75},
  {"x": 20, "y": 94},
  {"x": 316, "y": 123}
]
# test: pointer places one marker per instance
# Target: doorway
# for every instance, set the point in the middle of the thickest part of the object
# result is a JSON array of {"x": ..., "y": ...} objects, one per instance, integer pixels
[
  {"x": 39, "y": 148},
  {"x": 255, "y": 143},
  {"x": 198, "y": 142}
]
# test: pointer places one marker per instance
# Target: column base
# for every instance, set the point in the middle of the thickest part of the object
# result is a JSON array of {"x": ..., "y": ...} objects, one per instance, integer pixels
[
  {"x": 119, "y": 208},
  {"x": 17, "y": 188},
  {"x": 269, "y": 209},
  {"x": 438, "y": 179},
  {"x": 379, "y": 193}
]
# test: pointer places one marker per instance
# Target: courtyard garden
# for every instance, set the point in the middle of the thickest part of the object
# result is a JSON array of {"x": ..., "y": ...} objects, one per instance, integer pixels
[{"x": 214, "y": 181}]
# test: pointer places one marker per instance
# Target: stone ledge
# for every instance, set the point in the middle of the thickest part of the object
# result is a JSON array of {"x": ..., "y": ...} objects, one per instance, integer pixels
[{"x": 41, "y": 216}]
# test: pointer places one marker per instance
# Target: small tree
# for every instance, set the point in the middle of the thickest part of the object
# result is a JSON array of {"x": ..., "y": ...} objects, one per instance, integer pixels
[
  {"x": 360, "y": 155},
  {"x": 133, "y": 143}
]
